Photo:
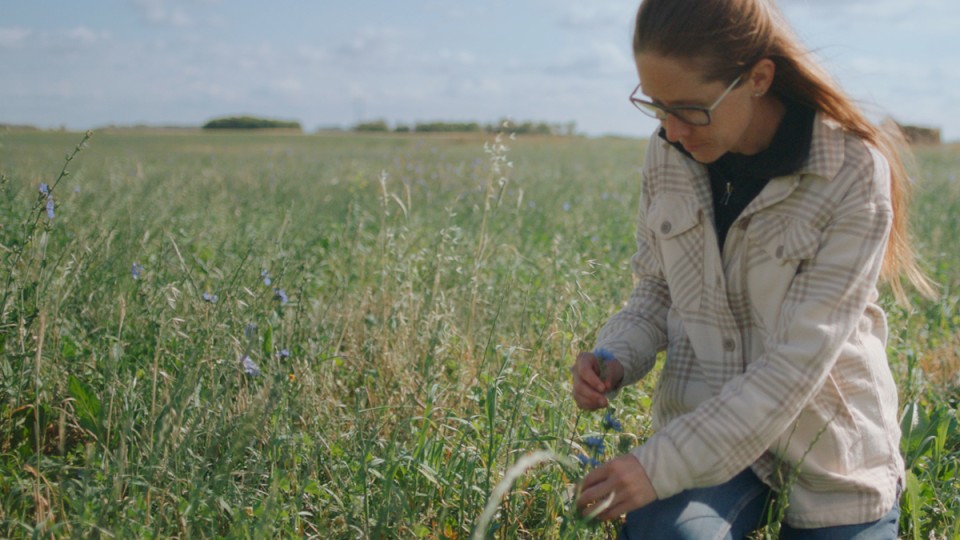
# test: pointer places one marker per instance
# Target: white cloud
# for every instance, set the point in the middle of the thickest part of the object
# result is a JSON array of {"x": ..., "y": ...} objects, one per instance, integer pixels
[
  {"x": 161, "y": 12},
  {"x": 86, "y": 36},
  {"x": 584, "y": 16},
  {"x": 373, "y": 44},
  {"x": 13, "y": 37},
  {"x": 461, "y": 58},
  {"x": 599, "y": 59},
  {"x": 312, "y": 54},
  {"x": 287, "y": 87}
]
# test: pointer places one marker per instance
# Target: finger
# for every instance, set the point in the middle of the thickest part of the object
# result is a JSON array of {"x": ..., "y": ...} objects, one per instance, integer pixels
[
  {"x": 613, "y": 375},
  {"x": 588, "y": 369},
  {"x": 615, "y": 510},
  {"x": 588, "y": 498},
  {"x": 580, "y": 386},
  {"x": 589, "y": 399},
  {"x": 602, "y": 507},
  {"x": 585, "y": 495},
  {"x": 593, "y": 488}
]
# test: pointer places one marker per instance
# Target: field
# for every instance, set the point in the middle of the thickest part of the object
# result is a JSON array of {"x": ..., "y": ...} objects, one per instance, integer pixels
[{"x": 345, "y": 336}]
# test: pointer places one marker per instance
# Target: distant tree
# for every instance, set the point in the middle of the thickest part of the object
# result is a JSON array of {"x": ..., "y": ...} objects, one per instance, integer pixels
[
  {"x": 250, "y": 122},
  {"x": 402, "y": 128},
  {"x": 446, "y": 127},
  {"x": 567, "y": 129},
  {"x": 373, "y": 125}
]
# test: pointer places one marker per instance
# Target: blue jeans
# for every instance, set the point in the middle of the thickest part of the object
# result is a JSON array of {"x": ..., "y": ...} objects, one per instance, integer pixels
[{"x": 733, "y": 510}]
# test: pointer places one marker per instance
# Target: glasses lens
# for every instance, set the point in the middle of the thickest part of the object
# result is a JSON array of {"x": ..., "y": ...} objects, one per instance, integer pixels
[
  {"x": 693, "y": 116},
  {"x": 649, "y": 109}
]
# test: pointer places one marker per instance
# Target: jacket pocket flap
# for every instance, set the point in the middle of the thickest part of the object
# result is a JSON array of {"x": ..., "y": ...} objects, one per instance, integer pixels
[
  {"x": 784, "y": 238},
  {"x": 670, "y": 216}
]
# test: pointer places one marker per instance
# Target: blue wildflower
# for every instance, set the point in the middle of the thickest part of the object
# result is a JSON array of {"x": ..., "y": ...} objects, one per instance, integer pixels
[
  {"x": 283, "y": 353},
  {"x": 266, "y": 277},
  {"x": 211, "y": 298},
  {"x": 136, "y": 270},
  {"x": 44, "y": 188},
  {"x": 609, "y": 422},
  {"x": 50, "y": 207},
  {"x": 281, "y": 295},
  {"x": 250, "y": 367},
  {"x": 596, "y": 443},
  {"x": 603, "y": 354},
  {"x": 587, "y": 461}
]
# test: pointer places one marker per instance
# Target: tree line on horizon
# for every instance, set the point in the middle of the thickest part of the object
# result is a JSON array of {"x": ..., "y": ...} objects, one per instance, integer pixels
[
  {"x": 381, "y": 126},
  {"x": 520, "y": 128},
  {"x": 251, "y": 122},
  {"x": 373, "y": 126}
]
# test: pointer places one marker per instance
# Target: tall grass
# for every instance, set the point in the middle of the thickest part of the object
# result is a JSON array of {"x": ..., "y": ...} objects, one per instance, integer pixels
[{"x": 426, "y": 297}]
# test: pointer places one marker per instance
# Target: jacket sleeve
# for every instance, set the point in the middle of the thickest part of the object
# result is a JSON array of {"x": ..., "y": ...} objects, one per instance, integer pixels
[
  {"x": 728, "y": 432},
  {"x": 637, "y": 332}
]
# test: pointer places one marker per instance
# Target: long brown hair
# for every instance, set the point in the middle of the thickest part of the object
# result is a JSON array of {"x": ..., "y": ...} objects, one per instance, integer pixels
[{"x": 723, "y": 38}]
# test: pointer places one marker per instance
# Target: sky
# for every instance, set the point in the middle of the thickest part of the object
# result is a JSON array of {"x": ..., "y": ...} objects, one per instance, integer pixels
[{"x": 334, "y": 63}]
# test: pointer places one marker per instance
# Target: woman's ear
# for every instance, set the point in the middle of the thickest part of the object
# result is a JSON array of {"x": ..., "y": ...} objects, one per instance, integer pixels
[{"x": 761, "y": 77}]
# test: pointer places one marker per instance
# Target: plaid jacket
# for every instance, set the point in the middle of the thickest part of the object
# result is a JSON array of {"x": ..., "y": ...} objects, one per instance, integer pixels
[{"x": 776, "y": 348}]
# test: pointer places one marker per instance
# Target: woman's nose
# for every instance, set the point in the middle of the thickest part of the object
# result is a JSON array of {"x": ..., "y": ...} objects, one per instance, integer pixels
[{"x": 675, "y": 128}]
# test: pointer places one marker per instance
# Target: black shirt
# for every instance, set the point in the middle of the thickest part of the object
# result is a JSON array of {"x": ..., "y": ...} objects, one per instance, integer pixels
[{"x": 736, "y": 179}]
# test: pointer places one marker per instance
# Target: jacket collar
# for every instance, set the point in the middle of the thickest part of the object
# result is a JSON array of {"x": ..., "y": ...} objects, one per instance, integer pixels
[{"x": 826, "y": 148}]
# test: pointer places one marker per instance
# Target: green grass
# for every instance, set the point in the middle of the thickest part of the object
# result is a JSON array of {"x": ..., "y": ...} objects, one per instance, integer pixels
[{"x": 438, "y": 289}]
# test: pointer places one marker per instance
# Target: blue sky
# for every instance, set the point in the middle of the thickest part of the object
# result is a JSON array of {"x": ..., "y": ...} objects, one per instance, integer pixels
[{"x": 333, "y": 63}]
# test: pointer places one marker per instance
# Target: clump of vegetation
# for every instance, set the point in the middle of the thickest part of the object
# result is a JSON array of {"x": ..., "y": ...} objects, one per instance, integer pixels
[{"x": 251, "y": 122}]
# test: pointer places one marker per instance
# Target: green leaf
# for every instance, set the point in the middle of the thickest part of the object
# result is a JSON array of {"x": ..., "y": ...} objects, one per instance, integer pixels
[
  {"x": 268, "y": 342},
  {"x": 913, "y": 505},
  {"x": 69, "y": 350},
  {"x": 85, "y": 404}
]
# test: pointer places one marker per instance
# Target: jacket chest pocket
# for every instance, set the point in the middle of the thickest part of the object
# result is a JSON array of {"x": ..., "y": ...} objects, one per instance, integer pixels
[
  {"x": 676, "y": 223},
  {"x": 778, "y": 246}
]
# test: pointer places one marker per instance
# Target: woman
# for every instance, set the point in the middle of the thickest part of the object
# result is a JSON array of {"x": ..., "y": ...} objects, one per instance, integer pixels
[{"x": 770, "y": 207}]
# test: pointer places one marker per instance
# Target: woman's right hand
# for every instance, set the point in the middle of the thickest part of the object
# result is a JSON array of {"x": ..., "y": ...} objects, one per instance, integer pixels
[{"x": 590, "y": 383}]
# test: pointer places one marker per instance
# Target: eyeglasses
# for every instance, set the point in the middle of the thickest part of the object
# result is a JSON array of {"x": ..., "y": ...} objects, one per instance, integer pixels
[{"x": 689, "y": 114}]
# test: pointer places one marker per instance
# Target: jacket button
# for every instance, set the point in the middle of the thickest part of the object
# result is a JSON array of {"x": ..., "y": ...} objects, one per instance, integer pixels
[
  {"x": 729, "y": 345},
  {"x": 779, "y": 252},
  {"x": 665, "y": 227}
]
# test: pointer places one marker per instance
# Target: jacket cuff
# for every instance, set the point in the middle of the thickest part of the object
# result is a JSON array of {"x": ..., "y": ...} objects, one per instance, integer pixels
[
  {"x": 635, "y": 364},
  {"x": 664, "y": 465}
]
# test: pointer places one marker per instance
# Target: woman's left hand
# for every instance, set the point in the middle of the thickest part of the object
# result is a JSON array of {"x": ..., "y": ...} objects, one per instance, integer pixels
[{"x": 625, "y": 478}]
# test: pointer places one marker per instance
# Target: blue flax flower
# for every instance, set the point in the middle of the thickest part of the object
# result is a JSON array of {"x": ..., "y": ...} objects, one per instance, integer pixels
[
  {"x": 283, "y": 353},
  {"x": 587, "y": 461},
  {"x": 50, "y": 207},
  {"x": 595, "y": 443},
  {"x": 603, "y": 354},
  {"x": 609, "y": 422},
  {"x": 281, "y": 295},
  {"x": 250, "y": 367},
  {"x": 44, "y": 188},
  {"x": 136, "y": 270},
  {"x": 211, "y": 298},
  {"x": 266, "y": 277}
]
